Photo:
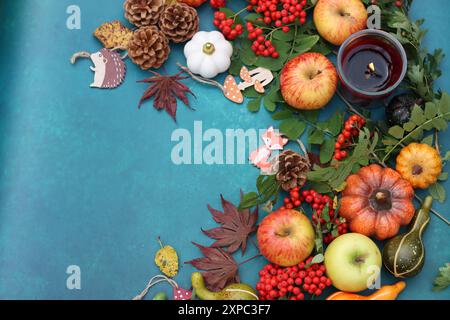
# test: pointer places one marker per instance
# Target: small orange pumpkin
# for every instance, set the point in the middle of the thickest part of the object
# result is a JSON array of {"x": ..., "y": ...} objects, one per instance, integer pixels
[
  {"x": 420, "y": 164},
  {"x": 377, "y": 201}
]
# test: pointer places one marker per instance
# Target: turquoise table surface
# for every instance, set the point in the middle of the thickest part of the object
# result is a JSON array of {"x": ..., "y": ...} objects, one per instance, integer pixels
[{"x": 87, "y": 179}]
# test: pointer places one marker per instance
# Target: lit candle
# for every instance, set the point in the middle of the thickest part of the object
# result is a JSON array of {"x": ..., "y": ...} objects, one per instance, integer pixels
[{"x": 371, "y": 65}]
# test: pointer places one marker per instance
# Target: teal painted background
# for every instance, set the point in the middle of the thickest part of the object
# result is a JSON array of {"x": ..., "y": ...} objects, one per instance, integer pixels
[{"x": 86, "y": 179}]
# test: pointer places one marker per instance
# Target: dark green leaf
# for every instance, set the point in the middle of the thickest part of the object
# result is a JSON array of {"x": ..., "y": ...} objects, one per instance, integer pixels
[
  {"x": 327, "y": 150},
  {"x": 321, "y": 187},
  {"x": 311, "y": 116},
  {"x": 443, "y": 176},
  {"x": 249, "y": 200},
  {"x": 293, "y": 128},
  {"x": 269, "y": 105},
  {"x": 428, "y": 140},
  {"x": 284, "y": 36},
  {"x": 447, "y": 156},
  {"x": 281, "y": 115},
  {"x": 431, "y": 110},
  {"x": 304, "y": 43},
  {"x": 248, "y": 57},
  {"x": 417, "y": 115},
  {"x": 442, "y": 281},
  {"x": 252, "y": 17},
  {"x": 236, "y": 65},
  {"x": 315, "y": 136},
  {"x": 254, "y": 105},
  {"x": 437, "y": 191},
  {"x": 270, "y": 63},
  {"x": 397, "y": 132},
  {"x": 334, "y": 124},
  {"x": 409, "y": 126}
]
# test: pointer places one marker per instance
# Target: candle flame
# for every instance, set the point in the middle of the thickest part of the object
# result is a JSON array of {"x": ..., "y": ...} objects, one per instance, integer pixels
[{"x": 371, "y": 67}]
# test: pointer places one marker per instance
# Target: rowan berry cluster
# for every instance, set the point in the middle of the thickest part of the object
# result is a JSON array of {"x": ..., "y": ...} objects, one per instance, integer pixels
[
  {"x": 280, "y": 13},
  {"x": 292, "y": 282},
  {"x": 227, "y": 26},
  {"x": 351, "y": 130},
  {"x": 318, "y": 203}
]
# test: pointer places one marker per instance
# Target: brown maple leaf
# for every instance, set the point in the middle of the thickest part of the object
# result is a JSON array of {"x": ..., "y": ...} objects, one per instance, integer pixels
[
  {"x": 220, "y": 267},
  {"x": 166, "y": 90},
  {"x": 236, "y": 227}
]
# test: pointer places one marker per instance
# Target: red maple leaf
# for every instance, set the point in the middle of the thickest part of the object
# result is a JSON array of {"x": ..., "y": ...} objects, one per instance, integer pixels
[
  {"x": 220, "y": 267},
  {"x": 236, "y": 227},
  {"x": 166, "y": 90}
]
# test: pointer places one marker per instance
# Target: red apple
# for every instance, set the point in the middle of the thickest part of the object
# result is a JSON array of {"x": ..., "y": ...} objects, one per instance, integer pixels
[
  {"x": 193, "y": 3},
  {"x": 336, "y": 20},
  {"x": 308, "y": 81},
  {"x": 286, "y": 237}
]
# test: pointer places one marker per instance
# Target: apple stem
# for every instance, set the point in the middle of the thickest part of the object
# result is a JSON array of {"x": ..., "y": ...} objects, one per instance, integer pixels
[{"x": 160, "y": 242}]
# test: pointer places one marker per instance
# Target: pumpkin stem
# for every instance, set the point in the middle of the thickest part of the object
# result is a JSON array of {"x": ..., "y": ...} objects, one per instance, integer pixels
[
  {"x": 208, "y": 48},
  {"x": 417, "y": 170},
  {"x": 381, "y": 196},
  {"x": 381, "y": 200}
]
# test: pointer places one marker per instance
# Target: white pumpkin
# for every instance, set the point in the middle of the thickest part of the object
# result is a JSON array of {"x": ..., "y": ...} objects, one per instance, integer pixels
[{"x": 208, "y": 54}]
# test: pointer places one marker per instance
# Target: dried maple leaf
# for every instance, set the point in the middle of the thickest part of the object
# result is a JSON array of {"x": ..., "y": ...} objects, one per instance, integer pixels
[
  {"x": 220, "y": 267},
  {"x": 166, "y": 90},
  {"x": 236, "y": 227}
]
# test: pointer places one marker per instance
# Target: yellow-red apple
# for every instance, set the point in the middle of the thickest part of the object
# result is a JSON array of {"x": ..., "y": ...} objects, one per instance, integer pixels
[
  {"x": 308, "y": 81},
  {"x": 336, "y": 20},
  {"x": 286, "y": 237}
]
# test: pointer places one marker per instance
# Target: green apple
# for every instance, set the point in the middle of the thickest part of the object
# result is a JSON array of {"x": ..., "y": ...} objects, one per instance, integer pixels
[{"x": 353, "y": 262}]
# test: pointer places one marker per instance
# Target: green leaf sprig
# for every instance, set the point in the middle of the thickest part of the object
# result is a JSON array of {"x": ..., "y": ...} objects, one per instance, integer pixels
[
  {"x": 442, "y": 281},
  {"x": 435, "y": 115},
  {"x": 336, "y": 174},
  {"x": 423, "y": 66},
  {"x": 267, "y": 193}
]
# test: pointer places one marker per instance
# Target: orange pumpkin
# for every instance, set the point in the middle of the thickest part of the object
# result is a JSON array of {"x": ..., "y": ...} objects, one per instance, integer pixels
[{"x": 377, "y": 201}]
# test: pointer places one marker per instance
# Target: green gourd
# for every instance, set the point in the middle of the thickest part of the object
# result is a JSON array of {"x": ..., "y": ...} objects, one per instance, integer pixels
[
  {"x": 404, "y": 255},
  {"x": 160, "y": 296},
  {"x": 237, "y": 291}
]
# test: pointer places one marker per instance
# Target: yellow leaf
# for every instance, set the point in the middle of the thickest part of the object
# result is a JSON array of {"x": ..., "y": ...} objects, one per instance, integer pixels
[
  {"x": 167, "y": 260},
  {"x": 113, "y": 35},
  {"x": 341, "y": 187}
]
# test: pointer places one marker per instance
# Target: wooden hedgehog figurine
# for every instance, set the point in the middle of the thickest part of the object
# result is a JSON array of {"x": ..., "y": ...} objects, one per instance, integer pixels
[{"x": 109, "y": 68}]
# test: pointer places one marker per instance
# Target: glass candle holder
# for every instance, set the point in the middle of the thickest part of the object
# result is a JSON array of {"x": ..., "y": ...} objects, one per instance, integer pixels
[{"x": 371, "y": 65}]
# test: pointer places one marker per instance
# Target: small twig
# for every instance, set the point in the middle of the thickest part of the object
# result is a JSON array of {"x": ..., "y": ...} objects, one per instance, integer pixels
[
  {"x": 200, "y": 79},
  {"x": 349, "y": 105},
  {"x": 254, "y": 243},
  {"x": 433, "y": 211},
  {"x": 82, "y": 54},
  {"x": 250, "y": 259},
  {"x": 436, "y": 141}
]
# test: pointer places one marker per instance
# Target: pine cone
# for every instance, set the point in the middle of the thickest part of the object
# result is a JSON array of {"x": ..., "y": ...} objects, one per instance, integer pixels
[
  {"x": 148, "y": 48},
  {"x": 179, "y": 22},
  {"x": 292, "y": 171},
  {"x": 143, "y": 13}
]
